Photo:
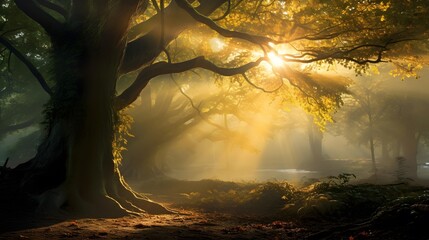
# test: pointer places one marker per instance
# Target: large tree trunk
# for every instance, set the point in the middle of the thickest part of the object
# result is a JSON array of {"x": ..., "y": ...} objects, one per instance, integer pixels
[{"x": 74, "y": 169}]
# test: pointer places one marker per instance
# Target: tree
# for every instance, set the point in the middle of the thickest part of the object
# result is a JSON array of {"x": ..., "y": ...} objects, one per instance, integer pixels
[
  {"x": 20, "y": 113},
  {"x": 21, "y": 99},
  {"x": 94, "y": 42},
  {"x": 364, "y": 110},
  {"x": 229, "y": 113},
  {"x": 409, "y": 114},
  {"x": 181, "y": 113},
  {"x": 388, "y": 116}
]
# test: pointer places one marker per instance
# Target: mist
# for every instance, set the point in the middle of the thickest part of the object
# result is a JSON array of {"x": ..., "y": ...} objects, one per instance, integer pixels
[
  {"x": 213, "y": 131},
  {"x": 254, "y": 138}
]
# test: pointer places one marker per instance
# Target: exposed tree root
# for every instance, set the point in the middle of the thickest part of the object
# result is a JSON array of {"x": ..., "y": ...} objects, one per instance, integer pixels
[
  {"x": 137, "y": 200},
  {"x": 119, "y": 200},
  {"x": 42, "y": 183},
  {"x": 123, "y": 202}
]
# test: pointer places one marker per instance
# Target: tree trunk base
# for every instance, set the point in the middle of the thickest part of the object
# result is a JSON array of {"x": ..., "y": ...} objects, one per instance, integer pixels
[
  {"x": 59, "y": 201},
  {"x": 62, "y": 201}
]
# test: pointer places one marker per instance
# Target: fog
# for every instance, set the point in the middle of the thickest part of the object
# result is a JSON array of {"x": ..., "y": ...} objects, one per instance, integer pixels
[
  {"x": 194, "y": 128},
  {"x": 258, "y": 140}
]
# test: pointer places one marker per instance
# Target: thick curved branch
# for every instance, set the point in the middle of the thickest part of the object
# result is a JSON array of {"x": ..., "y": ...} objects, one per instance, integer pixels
[
  {"x": 142, "y": 28},
  {"x": 146, "y": 48},
  {"x": 344, "y": 53},
  {"x": 260, "y": 40},
  {"x": 27, "y": 63},
  {"x": 17, "y": 126},
  {"x": 117, "y": 23},
  {"x": 54, "y": 7},
  {"x": 35, "y": 12},
  {"x": 161, "y": 68},
  {"x": 225, "y": 14}
]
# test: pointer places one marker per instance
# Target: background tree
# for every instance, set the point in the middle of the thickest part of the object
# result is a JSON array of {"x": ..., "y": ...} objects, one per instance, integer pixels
[
  {"x": 363, "y": 112},
  {"x": 315, "y": 139},
  {"x": 207, "y": 111},
  {"x": 21, "y": 98},
  {"x": 388, "y": 116}
]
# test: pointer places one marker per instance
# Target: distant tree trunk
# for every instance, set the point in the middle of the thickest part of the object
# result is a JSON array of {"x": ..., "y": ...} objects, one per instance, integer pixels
[
  {"x": 158, "y": 121},
  {"x": 315, "y": 138},
  {"x": 385, "y": 156},
  {"x": 409, "y": 138},
  {"x": 410, "y": 143},
  {"x": 396, "y": 151},
  {"x": 372, "y": 150},
  {"x": 387, "y": 160},
  {"x": 141, "y": 162},
  {"x": 149, "y": 130},
  {"x": 371, "y": 134}
]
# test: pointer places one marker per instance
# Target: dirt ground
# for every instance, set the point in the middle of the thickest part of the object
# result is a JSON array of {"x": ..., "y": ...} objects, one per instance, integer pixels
[
  {"x": 191, "y": 225},
  {"x": 184, "y": 225}
]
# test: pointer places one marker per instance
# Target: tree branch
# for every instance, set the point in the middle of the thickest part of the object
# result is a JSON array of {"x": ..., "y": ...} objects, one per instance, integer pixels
[
  {"x": 155, "y": 5},
  {"x": 260, "y": 40},
  {"x": 261, "y": 88},
  {"x": 54, "y": 7},
  {"x": 343, "y": 53},
  {"x": 27, "y": 63},
  {"x": 129, "y": 95},
  {"x": 225, "y": 14},
  {"x": 146, "y": 48},
  {"x": 119, "y": 19},
  {"x": 196, "y": 108},
  {"x": 17, "y": 126},
  {"x": 35, "y": 12}
]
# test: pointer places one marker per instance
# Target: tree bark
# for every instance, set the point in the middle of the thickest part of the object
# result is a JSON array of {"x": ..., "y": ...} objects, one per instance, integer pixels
[{"x": 74, "y": 169}]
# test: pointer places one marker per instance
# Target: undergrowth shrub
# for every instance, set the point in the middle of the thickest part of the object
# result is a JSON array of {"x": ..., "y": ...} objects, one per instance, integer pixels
[{"x": 330, "y": 198}]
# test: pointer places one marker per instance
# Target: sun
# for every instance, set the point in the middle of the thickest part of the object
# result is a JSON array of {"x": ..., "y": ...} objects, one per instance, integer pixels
[{"x": 275, "y": 59}]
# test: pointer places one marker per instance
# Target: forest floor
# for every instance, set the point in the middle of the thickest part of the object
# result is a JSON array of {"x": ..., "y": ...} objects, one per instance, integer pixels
[
  {"x": 184, "y": 225},
  {"x": 226, "y": 210}
]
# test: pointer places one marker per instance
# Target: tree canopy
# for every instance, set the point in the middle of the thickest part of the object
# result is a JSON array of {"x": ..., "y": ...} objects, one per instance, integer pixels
[{"x": 234, "y": 37}]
